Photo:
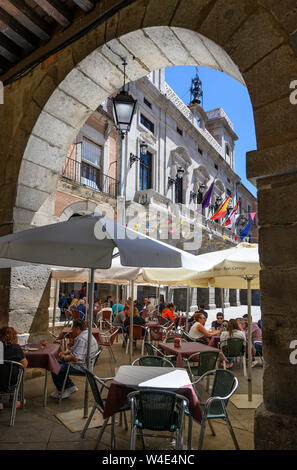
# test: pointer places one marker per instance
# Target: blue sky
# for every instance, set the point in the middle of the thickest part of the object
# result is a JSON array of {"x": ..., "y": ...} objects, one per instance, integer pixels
[{"x": 221, "y": 90}]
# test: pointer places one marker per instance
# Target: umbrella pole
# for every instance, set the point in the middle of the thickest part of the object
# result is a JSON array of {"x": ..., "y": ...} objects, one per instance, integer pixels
[
  {"x": 223, "y": 302},
  {"x": 55, "y": 304},
  {"x": 131, "y": 323},
  {"x": 117, "y": 299},
  {"x": 188, "y": 307},
  {"x": 90, "y": 315},
  {"x": 249, "y": 295}
]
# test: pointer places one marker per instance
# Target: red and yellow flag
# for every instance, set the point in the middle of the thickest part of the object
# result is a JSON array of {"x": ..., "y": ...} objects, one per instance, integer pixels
[{"x": 221, "y": 212}]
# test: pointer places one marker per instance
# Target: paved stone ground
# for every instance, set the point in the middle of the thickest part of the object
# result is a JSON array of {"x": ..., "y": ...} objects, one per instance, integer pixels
[{"x": 37, "y": 428}]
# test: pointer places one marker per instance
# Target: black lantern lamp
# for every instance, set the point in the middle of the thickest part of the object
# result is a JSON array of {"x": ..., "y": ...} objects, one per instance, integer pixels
[
  {"x": 179, "y": 175},
  {"x": 143, "y": 151},
  {"x": 123, "y": 108}
]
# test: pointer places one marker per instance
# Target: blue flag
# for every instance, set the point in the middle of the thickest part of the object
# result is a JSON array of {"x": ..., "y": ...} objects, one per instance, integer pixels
[{"x": 245, "y": 231}]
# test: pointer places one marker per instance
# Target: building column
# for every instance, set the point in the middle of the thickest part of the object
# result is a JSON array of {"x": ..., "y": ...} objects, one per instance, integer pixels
[
  {"x": 276, "y": 418},
  {"x": 234, "y": 297},
  {"x": 226, "y": 298}
]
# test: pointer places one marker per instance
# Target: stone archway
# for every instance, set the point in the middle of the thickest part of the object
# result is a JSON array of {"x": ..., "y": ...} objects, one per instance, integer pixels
[{"x": 49, "y": 104}]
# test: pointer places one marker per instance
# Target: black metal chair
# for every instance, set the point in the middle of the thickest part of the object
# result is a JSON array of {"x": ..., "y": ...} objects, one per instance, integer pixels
[
  {"x": 152, "y": 361},
  {"x": 199, "y": 363},
  {"x": 99, "y": 405},
  {"x": 235, "y": 348},
  {"x": 77, "y": 372},
  {"x": 153, "y": 351},
  {"x": 11, "y": 384},
  {"x": 157, "y": 410},
  {"x": 224, "y": 385}
]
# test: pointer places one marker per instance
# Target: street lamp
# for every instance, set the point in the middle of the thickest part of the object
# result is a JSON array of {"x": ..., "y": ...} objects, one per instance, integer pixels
[
  {"x": 143, "y": 151},
  {"x": 179, "y": 175},
  {"x": 123, "y": 108}
]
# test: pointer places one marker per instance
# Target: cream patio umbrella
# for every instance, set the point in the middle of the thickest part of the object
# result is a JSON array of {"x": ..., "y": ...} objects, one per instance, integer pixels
[{"x": 235, "y": 268}]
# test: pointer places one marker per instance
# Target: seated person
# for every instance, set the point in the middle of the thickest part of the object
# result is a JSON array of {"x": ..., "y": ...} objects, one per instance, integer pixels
[
  {"x": 81, "y": 306},
  {"x": 120, "y": 318},
  {"x": 77, "y": 353},
  {"x": 120, "y": 308},
  {"x": 201, "y": 310},
  {"x": 260, "y": 323},
  {"x": 74, "y": 303},
  {"x": 256, "y": 336},
  {"x": 137, "y": 320},
  {"x": 198, "y": 332},
  {"x": 218, "y": 323},
  {"x": 233, "y": 331},
  {"x": 12, "y": 352},
  {"x": 63, "y": 303},
  {"x": 168, "y": 312}
]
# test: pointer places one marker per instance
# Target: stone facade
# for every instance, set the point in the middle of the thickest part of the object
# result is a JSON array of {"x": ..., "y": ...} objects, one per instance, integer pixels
[{"x": 45, "y": 109}]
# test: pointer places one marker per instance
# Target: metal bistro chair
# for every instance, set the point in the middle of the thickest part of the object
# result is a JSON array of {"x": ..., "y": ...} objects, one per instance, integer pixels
[
  {"x": 235, "y": 348},
  {"x": 200, "y": 363},
  {"x": 224, "y": 385},
  {"x": 153, "y": 351},
  {"x": 78, "y": 372},
  {"x": 108, "y": 340},
  {"x": 157, "y": 410},
  {"x": 137, "y": 334},
  {"x": 68, "y": 317},
  {"x": 152, "y": 361},
  {"x": 187, "y": 337},
  {"x": 99, "y": 404},
  {"x": 11, "y": 383},
  {"x": 106, "y": 318}
]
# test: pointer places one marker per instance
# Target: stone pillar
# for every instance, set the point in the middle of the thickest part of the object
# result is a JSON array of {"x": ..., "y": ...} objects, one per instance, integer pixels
[
  {"x": 276, "y": 419},
  {"x": 194, "y": 301},
  {"x": 226, "y": 298},
  {"x": 243, "y": 296}
]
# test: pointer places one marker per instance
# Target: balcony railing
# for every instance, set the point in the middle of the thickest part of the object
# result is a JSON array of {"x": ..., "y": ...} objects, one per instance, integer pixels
[{"x": 90, "y": 176}]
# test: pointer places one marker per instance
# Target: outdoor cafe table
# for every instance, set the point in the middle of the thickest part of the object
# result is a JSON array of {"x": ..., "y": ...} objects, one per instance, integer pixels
[
  {"x": 44, "y": 358},
  {"x": 187, "y": 349},
  {"x": 131, "y": 378}
]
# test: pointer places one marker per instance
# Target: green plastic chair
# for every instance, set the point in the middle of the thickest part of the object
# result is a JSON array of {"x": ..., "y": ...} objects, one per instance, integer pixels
[
  {"x": 99, "y": 404},
  {"x": 152, "y": 361},
  {"x": 224, "y": 385},
  {"x": 157, "y": 410},
  {"x": 199, "y": 363},
  {"x": 235, "y": 348}
]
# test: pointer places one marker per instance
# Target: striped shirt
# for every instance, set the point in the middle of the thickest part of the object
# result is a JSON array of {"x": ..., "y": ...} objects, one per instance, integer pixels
[{"x": 80, "y": 347}]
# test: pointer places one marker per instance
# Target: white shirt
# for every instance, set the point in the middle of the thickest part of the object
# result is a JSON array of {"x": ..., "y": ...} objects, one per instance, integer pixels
[
  {"x": 236, "y": 334},
  {"x": 194, "y": 333},
  {"x": 79, "y": 349}
]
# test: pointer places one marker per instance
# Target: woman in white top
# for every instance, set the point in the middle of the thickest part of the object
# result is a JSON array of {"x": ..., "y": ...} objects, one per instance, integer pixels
[
  {"x": 233, "y": 331},
  {"x": 198, "y": 332}
]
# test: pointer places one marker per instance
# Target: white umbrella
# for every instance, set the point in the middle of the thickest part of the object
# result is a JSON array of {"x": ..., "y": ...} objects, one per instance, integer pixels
[
  {"x": 235, "y": 268},
  {"x": 89, "y": 242}
]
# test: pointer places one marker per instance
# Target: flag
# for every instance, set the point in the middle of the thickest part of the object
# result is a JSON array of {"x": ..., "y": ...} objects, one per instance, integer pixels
[
  {"x": 245, "y": 231},
  {"x": 232, "y": 217},
  {"x": 207, "y": 197},
  {"x": 221, "y": 212},
  {"x": 252, "y": 214}
]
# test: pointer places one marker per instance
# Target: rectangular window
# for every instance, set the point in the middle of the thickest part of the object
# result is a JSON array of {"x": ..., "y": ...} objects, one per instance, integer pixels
[
  {"x": 179, "y": 191},
  {"x": 147, "y": 103},
  {"x": 228, "y": 179},
  {"x": 179, "y": 131},
  {"x": 145, "y": 171},
  {"x": 228, "y": 192},
  {"x": 200, "y": 151},
  {"x": 91, "y": 164},
  {"x": 216, "y": 166},
  {"x": 147, "y": 123}
]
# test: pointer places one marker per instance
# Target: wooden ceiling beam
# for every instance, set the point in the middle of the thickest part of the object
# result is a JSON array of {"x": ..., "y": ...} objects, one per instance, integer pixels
[
  {"x": 17, "y": 32},
  {"x": 27, "y": 17},
  {"x": 85, "y": 5},
  {"x": 57, "y": 10},
  {"x": 8, "y": 49}
]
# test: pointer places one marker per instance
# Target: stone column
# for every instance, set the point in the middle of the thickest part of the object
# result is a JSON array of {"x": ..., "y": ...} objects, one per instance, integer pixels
[
  {"x": 276, "y": 419},
  {"x": 194, "y": 301},
  {"x": 226, "y": 298}
]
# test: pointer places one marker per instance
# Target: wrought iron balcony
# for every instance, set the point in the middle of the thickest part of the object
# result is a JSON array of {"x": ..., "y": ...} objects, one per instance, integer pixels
[{"x": 91, "y": 177}]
